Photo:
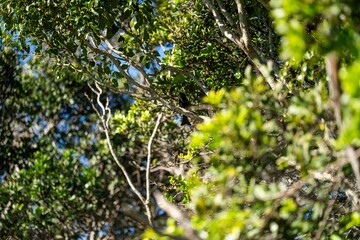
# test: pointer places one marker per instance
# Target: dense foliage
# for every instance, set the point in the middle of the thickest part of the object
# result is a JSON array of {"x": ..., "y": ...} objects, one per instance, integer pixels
[{"x": 202, "y": 119}]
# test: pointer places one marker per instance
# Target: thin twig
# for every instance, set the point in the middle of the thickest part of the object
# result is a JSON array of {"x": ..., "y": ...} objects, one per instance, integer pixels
[
  {"x": 264, "y": 4},
  {"x": 295, "y": 187},
  {"x": 149, "y": 157},
  {"x": 104, "y": 117},
  {"x": 328, "y": 210}
]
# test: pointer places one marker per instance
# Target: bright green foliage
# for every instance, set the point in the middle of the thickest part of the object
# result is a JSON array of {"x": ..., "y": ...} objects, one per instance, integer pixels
[
  {"x": 351, "y": 98},
  {"x": 261, "y": 145},
  {"x": 264, "y": 141},
  {"x": 318, "y": 26},
  {"x": 271, "y": 152},
  {"x": 135, "y": 119},
  {"x": 321, "y": 27}
]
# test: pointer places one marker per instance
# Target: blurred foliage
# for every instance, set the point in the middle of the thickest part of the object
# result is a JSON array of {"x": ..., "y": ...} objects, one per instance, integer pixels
[{"x": 267, "y": 161}]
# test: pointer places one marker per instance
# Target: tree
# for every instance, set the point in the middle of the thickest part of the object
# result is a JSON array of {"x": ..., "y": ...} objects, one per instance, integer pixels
[{"x": 272, "y": 92}]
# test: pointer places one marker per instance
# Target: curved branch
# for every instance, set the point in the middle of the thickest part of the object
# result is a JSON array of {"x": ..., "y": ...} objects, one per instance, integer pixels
[
  {"x": 174, "y": 212},
  {"x": 148, "y": 163},
  {"x": 150, "y": 90},
  {"x": 104, "y": 120}
]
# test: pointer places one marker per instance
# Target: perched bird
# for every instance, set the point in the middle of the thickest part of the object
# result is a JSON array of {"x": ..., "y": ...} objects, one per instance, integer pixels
[
  {"x": 185, "y": 121},
  {"x": 184, "y": 103}
]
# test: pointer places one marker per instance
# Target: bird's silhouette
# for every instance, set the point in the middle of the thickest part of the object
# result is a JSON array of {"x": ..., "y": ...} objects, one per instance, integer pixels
[{"x": 184, "y": 103}]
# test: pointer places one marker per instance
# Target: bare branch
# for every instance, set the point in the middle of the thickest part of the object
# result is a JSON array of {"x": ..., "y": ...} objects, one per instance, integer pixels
[
  {"x": 130, "y": 61},
  {"x": 179, "y": 70},
  {"x": 243, "y": 24},
  {"x": 115, "y": 61},
  {"x": 149, "y": 158},
  {"x": 98, "y": 99},
  {"x": 219, "y": 21},
  {"x": 243, "y": 42},
  {"x": 174, "y": 212},
  {"x": 187, "y": 73},
  {"x": 103, "y": 117},
  {"x": 152, "y": 92},
  {"x": 354, "y": 161}
]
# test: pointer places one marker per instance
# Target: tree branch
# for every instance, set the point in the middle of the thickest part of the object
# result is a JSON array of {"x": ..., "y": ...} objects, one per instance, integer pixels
[
  {"x": 150, "y": 90},
  {"x": 243, "y": 42},
  {"x": 218, "y": 19},
  {"x": 227, "y": 15},
  {"x": 179, "y": 70},
  {"x": 264, "y": 4},
  {"x": 149, "y": 158},
  {"x": 243, "y": 24},
  {"x": 105, "y": 117},
  {"x": 335, "y": 94},
  {"x": 177, "y": 215}
]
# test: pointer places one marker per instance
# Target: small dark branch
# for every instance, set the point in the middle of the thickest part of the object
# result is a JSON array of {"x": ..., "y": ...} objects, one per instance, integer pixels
[
  {"x": 189, "y": 74},
  {"x": 264, "y": 4},
  {"x": 179, "y": 70},
  {"x": 328, "y": 210}
]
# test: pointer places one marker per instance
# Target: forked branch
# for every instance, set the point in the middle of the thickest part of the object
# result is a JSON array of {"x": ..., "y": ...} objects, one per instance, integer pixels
[
  {"x": 105, "y": 115},
  {"x": 242, "y": 40}
]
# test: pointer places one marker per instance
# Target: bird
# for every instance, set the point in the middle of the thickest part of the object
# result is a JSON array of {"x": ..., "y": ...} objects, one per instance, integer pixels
[{"x": 184, "y": 103}]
